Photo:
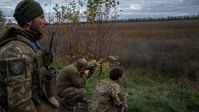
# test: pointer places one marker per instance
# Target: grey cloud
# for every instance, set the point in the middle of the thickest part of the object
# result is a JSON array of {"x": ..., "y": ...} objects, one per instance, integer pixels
[
  {"x": 160, "y": 8},
  {"x": 191, "y": 2},
  {"x": 149, "y": 8}
]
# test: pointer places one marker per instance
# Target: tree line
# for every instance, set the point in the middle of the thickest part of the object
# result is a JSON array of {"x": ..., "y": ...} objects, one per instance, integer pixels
[{"x": 160, "y": 18}]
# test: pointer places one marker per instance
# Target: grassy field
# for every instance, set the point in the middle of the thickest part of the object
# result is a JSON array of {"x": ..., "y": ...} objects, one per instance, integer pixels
[
  {"x": 150, "y": 91},
  {"x": 167, "y": 46},
  {"x": 160, "y": 59}
]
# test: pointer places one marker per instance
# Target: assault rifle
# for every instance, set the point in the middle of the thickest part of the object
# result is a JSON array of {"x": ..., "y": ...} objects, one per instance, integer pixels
[{"x": 91, "y": 67}]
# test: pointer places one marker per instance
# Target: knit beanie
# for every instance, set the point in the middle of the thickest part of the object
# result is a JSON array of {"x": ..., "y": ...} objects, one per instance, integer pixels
[{"x": 27, "y": 10}]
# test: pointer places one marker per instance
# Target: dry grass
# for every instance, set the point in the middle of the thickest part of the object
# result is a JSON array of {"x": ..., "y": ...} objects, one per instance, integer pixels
[{"x": 168, "y": 46}]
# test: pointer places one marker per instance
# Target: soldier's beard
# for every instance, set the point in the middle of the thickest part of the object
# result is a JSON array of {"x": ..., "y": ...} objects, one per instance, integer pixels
[
  {"x": 33, "y": 36},
  {"x": 37, "y": 28}
]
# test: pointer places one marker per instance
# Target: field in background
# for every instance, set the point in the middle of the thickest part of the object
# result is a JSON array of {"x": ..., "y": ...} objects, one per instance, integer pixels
[
  {"x": 167, "y": 46},
  {"x": 149, "y": 91},
  {"x": 160, "y": 59}
]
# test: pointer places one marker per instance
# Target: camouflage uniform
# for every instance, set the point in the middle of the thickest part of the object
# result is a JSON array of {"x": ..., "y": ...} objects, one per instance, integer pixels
[
  {"x": 108, "y": 98},
  {"x": 70, "y": 87},
  {"x": 23, "y": 71}
]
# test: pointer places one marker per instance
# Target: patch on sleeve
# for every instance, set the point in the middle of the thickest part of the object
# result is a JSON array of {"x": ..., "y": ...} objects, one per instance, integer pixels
[{"x": 15, "y": 67}]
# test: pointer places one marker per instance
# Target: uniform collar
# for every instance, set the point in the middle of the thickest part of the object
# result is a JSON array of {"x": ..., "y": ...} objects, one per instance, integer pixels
[{"x": 32, "y": 36}]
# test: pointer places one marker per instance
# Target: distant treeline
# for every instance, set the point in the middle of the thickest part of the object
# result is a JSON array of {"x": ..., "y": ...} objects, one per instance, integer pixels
[
  {"x": 145, "y": 19},
  {"x": 158, "y": 19},
  {"x": 137, "y": 19}
]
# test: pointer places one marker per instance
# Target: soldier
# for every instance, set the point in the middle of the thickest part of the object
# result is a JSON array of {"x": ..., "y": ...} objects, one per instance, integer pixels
[
  {"x": 113, "y": 61},
  {"x": 70, "y": 86},
  {"x": 107, "y": 96},
  {"x": 22, "y": 72}
]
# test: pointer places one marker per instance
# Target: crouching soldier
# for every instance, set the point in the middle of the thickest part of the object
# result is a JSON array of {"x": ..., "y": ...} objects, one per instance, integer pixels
[
  {"x": 70, "y": 86},
  {"x": 107, "y": 96}
]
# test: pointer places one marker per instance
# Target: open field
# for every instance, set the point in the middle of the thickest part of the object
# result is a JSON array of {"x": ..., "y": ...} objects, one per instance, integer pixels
[
  {"x": 160, "y": 59},
  {"x": 167, "y": 46},
  {"x": 149, "y": 91}
]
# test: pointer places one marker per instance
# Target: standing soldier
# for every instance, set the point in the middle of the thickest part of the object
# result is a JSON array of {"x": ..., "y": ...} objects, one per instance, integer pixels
[
  {"x": 107, "y": 96},
  {"x": 23, "y": 77}
]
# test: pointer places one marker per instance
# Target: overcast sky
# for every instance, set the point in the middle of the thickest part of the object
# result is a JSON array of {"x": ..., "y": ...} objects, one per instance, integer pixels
[{"x": 130, "y": 8}]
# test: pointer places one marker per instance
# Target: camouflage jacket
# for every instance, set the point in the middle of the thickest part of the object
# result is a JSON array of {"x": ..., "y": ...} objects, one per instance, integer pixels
[
  {"x": 106, "y": 96},
  {"x": 23, "y": 78},
  {"x": 70, "y": 82}
]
